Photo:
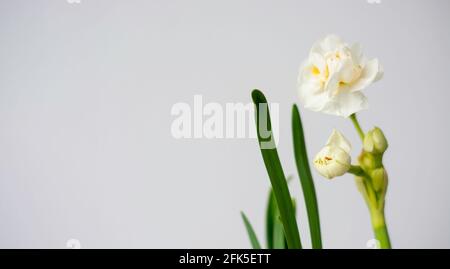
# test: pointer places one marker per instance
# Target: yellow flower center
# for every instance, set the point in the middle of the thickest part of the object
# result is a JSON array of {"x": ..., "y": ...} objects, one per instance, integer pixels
[{"x": 324, "y": 161}]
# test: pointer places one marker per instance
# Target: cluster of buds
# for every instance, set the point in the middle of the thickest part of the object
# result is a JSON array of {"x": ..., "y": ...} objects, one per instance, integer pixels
[{"x": 375, "y": 178}]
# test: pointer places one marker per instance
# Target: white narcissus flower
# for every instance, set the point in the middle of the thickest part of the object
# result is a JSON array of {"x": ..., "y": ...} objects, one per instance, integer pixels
[
  {"x": 334, "y": 159},
  {"x": 331, "y": 79}
]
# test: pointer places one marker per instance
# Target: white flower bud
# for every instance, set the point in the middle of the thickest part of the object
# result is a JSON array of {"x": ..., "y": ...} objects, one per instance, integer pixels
[{"x": 334, "y": 159}]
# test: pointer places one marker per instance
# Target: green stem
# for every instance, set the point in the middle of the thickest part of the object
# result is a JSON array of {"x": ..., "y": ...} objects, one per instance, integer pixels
[
  {"x": 380, "y": 229},
  {"x": 356, "y": 170},
  {"x": 357, "y": 126}
]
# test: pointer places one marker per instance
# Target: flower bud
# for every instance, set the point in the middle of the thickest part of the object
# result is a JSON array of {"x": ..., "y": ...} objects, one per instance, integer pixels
[
  {"x": 375, "y": 141},
  {"x": 367, "y": 161},
  {"x": 334, "y": 159},
  {"x": 379, "y": 179}
]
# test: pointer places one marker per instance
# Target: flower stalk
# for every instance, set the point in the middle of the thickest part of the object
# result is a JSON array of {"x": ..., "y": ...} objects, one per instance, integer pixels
[
  {"x": 371, "y": 179},
  {"x": 380, "y": 229},
  {"x": 357, "y": 126}
]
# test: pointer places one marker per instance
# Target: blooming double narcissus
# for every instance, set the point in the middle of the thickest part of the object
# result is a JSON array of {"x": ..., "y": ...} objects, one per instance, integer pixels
[
  {"x": 334, "y": 159},
  {"x": 331, "y": 79}
]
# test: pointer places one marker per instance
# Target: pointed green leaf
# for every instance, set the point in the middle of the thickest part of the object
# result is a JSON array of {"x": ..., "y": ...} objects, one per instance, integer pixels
[
  {"x": 275, "y": 170},
  {"x": 306, "y": 180},
  {"x": 275, "y": 232},
  {"x": 279, "y": 239},
  {"x": 251, "y": 233},
  {"x": 270, "y": 219}
]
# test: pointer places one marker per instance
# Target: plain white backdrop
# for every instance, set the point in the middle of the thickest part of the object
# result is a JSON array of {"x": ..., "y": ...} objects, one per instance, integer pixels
[{"x": 86, "y": 91}]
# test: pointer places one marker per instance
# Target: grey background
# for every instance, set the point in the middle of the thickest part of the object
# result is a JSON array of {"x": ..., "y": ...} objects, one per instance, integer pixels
[{"x": 85, "y": 97}]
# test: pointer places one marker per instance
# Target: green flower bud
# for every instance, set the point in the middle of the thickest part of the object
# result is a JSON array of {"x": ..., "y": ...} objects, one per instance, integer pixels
[
  {"x": 368, "y": 161},
  {"x": 375, "y": 141},
  {"x": 379, "y": 179}
]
